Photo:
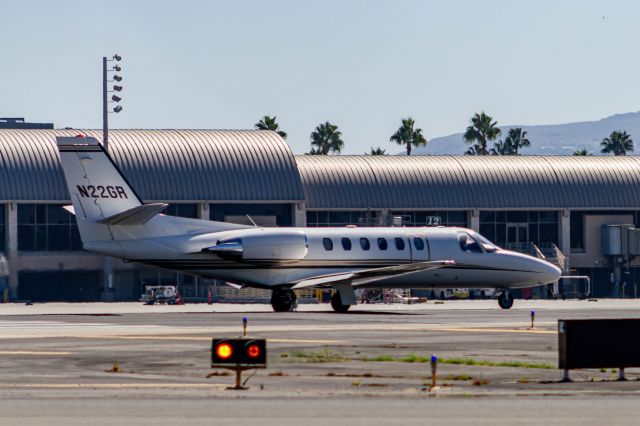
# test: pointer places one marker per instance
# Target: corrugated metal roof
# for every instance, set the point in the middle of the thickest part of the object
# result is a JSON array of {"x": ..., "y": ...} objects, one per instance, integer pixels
[
  {"x": 162, "y": 165},
  {"x": 466, "y": 182}
]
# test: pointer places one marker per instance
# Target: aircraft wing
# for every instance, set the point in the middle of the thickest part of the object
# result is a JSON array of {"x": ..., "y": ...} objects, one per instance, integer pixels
[{"x": 366, "y": 276}]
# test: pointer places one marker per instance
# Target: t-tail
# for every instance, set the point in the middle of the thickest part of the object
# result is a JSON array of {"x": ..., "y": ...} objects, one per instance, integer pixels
[{"x": 106, "y": 206}]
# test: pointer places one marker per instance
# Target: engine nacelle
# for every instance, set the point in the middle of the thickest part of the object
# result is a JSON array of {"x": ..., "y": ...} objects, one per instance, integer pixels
[{"x": 264, "y": 246}]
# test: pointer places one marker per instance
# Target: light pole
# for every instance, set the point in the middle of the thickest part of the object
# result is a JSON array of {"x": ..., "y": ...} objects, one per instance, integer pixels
[{"x": 105, "y": 92}]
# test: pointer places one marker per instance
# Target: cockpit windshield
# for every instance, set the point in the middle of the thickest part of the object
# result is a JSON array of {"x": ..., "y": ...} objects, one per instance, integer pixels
[
  {"x": 475, "y": 243},
  {"x": 486, "y": 244},
  {"x": 468, "y": 244}
]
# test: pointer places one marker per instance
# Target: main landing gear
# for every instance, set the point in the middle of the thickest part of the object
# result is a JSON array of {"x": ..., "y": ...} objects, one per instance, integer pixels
[
  {"x": 336, "y": 303},
  {"x": 505, "y": 300},
  {"x": 283, "y": 300}
]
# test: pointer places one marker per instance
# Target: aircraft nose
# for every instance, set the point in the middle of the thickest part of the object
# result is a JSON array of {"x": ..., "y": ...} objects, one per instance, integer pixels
[{"x": 547, "y": 272}]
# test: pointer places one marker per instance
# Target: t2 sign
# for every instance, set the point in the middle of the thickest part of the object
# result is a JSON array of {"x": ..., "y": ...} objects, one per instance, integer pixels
[{"x": 434, "y": 221}]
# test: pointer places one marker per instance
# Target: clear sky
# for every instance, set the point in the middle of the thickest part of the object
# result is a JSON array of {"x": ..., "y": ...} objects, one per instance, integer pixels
[{"x": 363, "y": 65}]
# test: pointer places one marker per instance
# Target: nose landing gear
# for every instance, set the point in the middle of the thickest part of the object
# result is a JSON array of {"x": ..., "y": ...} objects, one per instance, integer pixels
[
  {"x": 505, "y": 300},
  {"x": 283, "y": 300}
]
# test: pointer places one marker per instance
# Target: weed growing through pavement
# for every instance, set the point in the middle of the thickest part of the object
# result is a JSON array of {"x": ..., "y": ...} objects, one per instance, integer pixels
[
  {"x": 461, "y": 361},
  {"x": 324, "y": 355},
  {"x": 480, "y": 382},
  {"x": 462, "y": 377}
]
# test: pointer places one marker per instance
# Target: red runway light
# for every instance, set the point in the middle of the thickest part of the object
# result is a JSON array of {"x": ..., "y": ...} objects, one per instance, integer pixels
[
  {"x": 253, "y": 351},
  {"x": 224, "y": 351}
]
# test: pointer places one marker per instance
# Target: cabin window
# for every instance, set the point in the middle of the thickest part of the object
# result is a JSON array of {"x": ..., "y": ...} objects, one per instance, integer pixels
[
  {"x": 399, "y": 243},
  {"x": 468, "y": 244},
  {"x": 327, "y": 243},
  {"x": 346, "y": 244},
  {"x": 382, "y": 243},
  {"x": 418, "y": 244},
  {"x": 364, "y": 244}
]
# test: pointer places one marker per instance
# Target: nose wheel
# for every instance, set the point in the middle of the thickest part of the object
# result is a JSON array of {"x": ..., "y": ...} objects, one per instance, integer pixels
[
  {"x": 283, "y": 300},
  {"x": 505, "y": 300}
]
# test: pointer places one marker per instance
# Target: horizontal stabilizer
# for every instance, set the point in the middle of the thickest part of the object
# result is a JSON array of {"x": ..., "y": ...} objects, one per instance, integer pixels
[
  {"x": 357, "y": 278},
  {"x": 70, "y": 209},
  {"x": 136, "y": 216}
]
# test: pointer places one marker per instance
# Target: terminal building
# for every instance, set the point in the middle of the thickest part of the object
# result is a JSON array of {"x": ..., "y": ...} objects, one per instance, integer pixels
[{"x": 555, "y": 207}]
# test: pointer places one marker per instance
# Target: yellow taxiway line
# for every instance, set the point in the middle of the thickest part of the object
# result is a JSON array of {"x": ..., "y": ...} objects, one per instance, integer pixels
[
  {"x": 114, "y": 385},
  {"x": 47, "y": 353},
  {"x": 208, "y": 339},
  {"x": 497, "y": 330}
]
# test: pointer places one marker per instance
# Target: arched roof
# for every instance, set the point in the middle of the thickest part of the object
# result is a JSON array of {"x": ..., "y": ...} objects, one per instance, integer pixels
[
  {"x": 162, "y": 165},
  {"x": 467, "y": 182}
]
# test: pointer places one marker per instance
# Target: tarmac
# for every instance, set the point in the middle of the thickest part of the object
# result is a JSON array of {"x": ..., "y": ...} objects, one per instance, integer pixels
[{"x": 126, "y": 363}]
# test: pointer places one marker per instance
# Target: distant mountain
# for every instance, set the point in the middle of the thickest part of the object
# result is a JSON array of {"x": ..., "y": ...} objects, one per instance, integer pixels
[{"x": 553, "y": 139}]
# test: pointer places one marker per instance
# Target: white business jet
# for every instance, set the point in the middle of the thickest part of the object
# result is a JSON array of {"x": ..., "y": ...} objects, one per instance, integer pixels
[{"x": 113, "y": 221}]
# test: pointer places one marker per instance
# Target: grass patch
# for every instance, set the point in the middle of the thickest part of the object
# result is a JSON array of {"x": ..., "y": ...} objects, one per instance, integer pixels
[
  {"x": 414, "y": 358},
  {"x": 324, "y": 355},
  {"x": 523, "y": 380},
  {"x": 462, "y": 377},
  {"x": 379, "y": 358}
]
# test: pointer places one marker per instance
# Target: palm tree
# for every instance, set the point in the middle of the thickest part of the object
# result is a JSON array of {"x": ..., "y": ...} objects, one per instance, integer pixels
[
  {"x": 408, "y": 136},
  {"x": 326, "y": 138},
  {"x": 582, "y": 152},
  {"x": 269, "y": 123},
  {"x": 377, "y": 151},
  {"x": 313, "y": 152},
  {"x": 517, "y": 139},
  {"x": 481, "y": 130},
  {"x": 502, "y": 148},
  {"x": 474, "y": 150},
  {"x": 618, "y": 143}
]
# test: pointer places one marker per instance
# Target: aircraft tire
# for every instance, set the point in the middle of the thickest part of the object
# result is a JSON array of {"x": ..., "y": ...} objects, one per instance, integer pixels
[
  {"x": 283, "y": 300},
  {"x": 505, "y": 300},
  {"x": 336, "y": 304}
]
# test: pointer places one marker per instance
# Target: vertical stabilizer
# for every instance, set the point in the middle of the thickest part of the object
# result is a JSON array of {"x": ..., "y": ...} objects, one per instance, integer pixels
[{"x": 97, "y": 188}]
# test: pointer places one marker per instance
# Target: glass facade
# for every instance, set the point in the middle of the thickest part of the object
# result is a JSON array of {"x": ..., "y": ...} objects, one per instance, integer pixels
[
  {"x": 182, "y": 210},
  {"x": 340, "y": 218},
  {"x": 502, "y": 227},
  {"x": 282, "y": 213},
  {"x": 3, "y": 227},
  {"x": 47, "y": 227},
  {"x": 433, "y": 218}
]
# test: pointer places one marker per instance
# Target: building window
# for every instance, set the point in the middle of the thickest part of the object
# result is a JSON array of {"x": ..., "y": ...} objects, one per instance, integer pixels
[
  {"x": 364, "y": 243},
  {"x": 340, "y": 218},
  {"x": 507, "y": 228},
  {"x": 47, "y": 227},
  {"x": 3, "y": 231},
  {"x": 182, "y": 210},
  {"x": 261, "y": 214},
  {"x": 577, "y": 232},
  {"x": 432, "y": 218},
  {"x": 327, "y": 243}
]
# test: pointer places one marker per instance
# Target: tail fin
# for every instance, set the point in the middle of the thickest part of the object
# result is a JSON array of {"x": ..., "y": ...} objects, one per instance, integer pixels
[{"x": 98, "y": 190}]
